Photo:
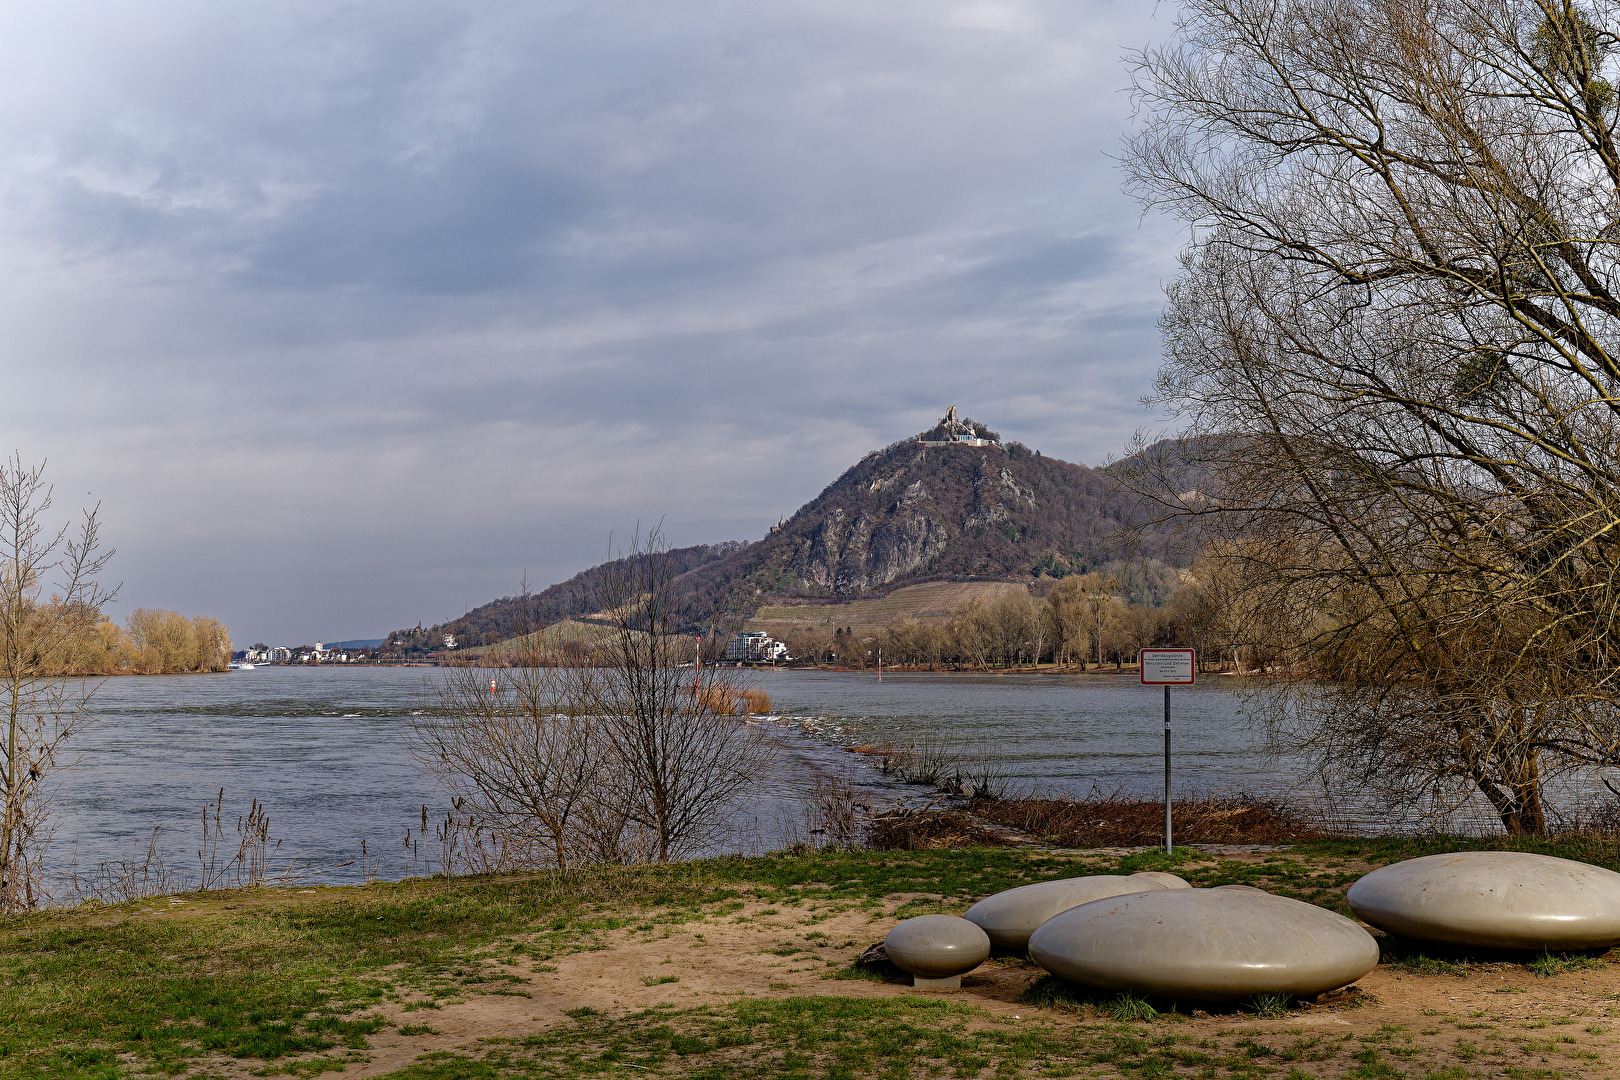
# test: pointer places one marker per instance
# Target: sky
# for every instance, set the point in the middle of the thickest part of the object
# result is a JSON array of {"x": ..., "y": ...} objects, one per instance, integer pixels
[{"x": 354, "y": 314}]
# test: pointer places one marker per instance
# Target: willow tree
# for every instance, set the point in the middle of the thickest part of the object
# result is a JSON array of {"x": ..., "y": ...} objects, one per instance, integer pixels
[{"x": 1393, "y": 347}]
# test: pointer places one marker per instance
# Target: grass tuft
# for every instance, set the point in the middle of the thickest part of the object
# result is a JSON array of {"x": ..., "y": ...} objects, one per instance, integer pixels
[
  {"x": 1051, "y": 992},
  {"x": 1268, "y": 1006},
  {"x": 1547, "y": 964},
  {"x": 1128, "y": 1007}
]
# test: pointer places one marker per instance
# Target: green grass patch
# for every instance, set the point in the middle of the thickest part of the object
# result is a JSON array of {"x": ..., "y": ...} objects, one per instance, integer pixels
[
  {"x": 292, "y": 982},
  {"x": 1549, "y": 964},
  {"x": 279, "y": 976},
  {"x": 850, "y": 1038}
]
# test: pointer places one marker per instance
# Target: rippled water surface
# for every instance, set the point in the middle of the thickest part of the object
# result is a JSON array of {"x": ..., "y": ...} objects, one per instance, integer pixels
[
  {"x": 1063, "y": 734},
  {"x": 326, "y": 750},
  {"x": 327, "y": 753}
]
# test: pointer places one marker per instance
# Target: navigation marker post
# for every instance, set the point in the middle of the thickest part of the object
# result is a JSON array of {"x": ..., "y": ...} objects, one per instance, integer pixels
[{"x": 1167, "y": 668}]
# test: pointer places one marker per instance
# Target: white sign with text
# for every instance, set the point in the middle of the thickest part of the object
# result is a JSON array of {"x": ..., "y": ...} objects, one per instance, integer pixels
[{"x": 1167, "y": 667}]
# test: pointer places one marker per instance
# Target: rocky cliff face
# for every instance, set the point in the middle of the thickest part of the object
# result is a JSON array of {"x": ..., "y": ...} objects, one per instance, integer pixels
[{"x": 923, "y": 508}]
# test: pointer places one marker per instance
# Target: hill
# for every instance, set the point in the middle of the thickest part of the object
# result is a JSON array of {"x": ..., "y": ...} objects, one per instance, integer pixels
[
  {"x": 564, "y": 637},
  {"x": 950, "y": 504},
  {"x": 501, "y": 619},
  {"x": 933, "y": 601}
]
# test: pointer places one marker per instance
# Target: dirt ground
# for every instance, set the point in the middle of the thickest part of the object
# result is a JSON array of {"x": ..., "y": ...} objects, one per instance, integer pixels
[{"x": 1519, "y": 1024}]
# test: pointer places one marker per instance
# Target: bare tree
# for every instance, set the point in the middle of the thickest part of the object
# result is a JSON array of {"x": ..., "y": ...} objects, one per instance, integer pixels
[
  {"x": 1066, "y": 611},
  {"x": 1392, "y": 346},
  {"x": 607, "y": 747},
  {"x": 513, "y": 745},
  {"x": 44, "y": 704},
  {"x": 1097, "y": 597},
  {"x": 529, "y": 766},
  {"x": 685, "y": 757}
]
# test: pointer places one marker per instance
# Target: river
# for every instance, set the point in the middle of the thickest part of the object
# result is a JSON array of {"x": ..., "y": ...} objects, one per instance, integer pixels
[{"x": 326, "y": 751}]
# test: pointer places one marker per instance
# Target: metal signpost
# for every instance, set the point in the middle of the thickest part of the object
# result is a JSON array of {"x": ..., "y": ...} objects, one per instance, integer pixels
[{"x": 1167, "y": 668}]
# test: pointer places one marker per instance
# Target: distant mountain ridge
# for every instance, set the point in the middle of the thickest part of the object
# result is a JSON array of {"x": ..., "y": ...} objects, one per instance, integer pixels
[
  {"x": 950, "y": 503},
  {"x": 500, "y": 619}
]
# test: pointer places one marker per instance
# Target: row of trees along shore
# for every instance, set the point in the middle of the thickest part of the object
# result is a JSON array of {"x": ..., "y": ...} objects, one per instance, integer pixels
[
  {"x": 1075, "y": 621},
  {"x": 151, "y": 642}
]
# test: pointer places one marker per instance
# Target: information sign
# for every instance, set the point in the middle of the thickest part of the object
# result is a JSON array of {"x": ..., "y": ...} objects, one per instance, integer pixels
[{"x": 1167, "y": 667}]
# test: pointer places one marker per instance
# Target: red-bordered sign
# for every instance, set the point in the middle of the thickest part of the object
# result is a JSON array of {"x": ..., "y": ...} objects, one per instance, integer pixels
[{"x": 1168, "y": 667}]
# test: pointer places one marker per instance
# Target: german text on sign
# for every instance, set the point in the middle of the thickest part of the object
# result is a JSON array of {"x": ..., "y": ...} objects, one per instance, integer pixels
[{"x": 1167, "y": 667}]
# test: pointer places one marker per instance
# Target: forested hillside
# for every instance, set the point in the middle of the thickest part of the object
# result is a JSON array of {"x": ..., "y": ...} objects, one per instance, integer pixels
[
  {"x": 919, "y": 510},
  {"x": 500, "y": 619}
]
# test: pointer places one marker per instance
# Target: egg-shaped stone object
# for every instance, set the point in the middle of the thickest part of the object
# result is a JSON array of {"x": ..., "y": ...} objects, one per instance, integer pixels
[
  {"x": 1493, "y": 899},
  {"x": 1010, "y": 917},
  {"x": 1204, "y": 944},
  {"x": 937, "y": 946},
  {"x": 1165, "y": 880}
]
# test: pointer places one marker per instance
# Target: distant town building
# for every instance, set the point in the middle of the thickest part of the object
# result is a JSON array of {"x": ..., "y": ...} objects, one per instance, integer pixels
[{"x": 756, "y": 646}]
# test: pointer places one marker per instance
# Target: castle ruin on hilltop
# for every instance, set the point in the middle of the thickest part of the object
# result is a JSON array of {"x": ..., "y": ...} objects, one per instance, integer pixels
[{"x": 960, "y": 432}]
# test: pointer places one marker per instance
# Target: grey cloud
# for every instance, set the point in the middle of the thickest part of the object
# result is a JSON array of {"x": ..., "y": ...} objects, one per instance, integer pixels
[
  {"x": 472, "y": 225},
  {"x": 352, "y": 315}
]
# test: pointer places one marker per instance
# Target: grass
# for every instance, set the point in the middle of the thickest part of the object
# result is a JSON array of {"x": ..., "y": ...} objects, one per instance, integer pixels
[
  {"x": 1269, "y": 1006},
  {"x": 931, "y": 600},
  {"x": 843, "y": 1038},
  {"x": 1050, "y": 992},
  {"x": 270, "y": 976},
  {"x": 291, "y": 982},
  {"x": 1548, "y": 964}
]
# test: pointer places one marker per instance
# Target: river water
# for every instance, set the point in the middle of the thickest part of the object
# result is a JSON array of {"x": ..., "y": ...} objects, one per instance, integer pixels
[{"x": 326, "y": 751}]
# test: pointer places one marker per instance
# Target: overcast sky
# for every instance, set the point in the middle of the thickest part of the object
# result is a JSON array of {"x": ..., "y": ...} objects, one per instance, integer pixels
[{"x": 350, "y": 314}]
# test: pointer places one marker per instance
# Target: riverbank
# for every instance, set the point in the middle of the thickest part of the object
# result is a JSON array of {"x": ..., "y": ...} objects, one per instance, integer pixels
[
  {"x": 732, "y": 966},
  {"x": 1039, "y": 669}
]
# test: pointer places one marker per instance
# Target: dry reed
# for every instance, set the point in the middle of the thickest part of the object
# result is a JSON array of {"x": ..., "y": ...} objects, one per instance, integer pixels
[
  {"x": 928, "y": 830},
  {"x": 755, "y": 700},
  {"x": 1120, "y": 820},
  {"x": 731, "y": 700}
]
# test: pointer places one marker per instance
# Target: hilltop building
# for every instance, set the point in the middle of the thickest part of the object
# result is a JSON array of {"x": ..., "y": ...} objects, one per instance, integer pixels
[{"x": 952, "y": 430}]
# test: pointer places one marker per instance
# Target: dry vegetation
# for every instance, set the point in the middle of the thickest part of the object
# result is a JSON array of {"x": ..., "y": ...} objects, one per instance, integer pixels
[
  {"x": 1099, "y": 821},
  {"x": 1118, "y": 820},
  {"x": 926, "y": 830},
  {"x": 935, "y": 600},
  {"x": 1069, "y": 621},
  {"x": 620, "y": 753},
  {"x": 151, "y": 642}
]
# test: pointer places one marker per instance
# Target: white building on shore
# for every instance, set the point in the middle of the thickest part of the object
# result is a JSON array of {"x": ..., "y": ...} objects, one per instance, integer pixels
[{"x": 755, "y": 647}]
